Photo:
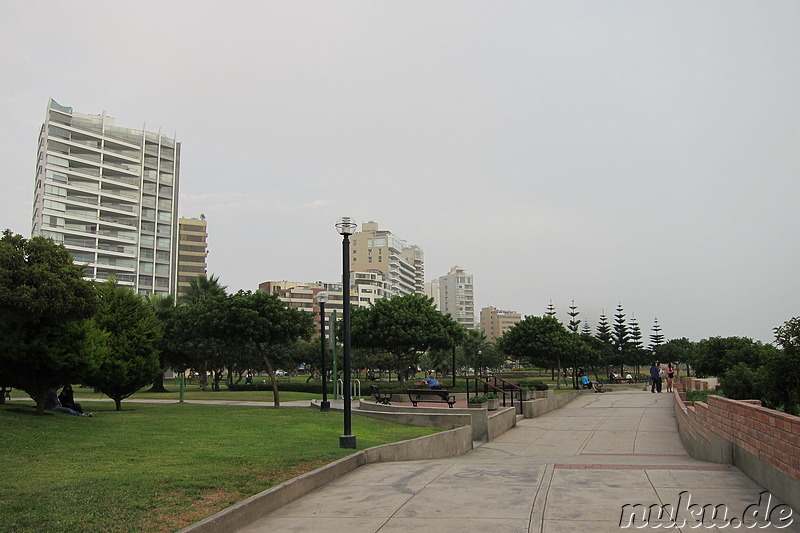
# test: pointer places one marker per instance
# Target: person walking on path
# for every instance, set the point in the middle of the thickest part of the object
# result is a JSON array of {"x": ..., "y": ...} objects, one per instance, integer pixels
[
  {"x": 670, "y": 376},
  {"x": 655, "y": 377}
]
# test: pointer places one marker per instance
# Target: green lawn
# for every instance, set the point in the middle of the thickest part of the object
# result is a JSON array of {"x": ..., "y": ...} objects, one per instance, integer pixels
[{"x": 159, "y": 467}]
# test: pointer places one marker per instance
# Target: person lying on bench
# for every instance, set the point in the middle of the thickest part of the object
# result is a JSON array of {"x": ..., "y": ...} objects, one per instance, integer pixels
[{"x": 432, "y": 381}]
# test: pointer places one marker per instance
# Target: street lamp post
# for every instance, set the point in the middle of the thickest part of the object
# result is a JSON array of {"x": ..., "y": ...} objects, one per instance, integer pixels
[
  {"x": 346, "y": 227},
  {"x": 322, "y": 297}
]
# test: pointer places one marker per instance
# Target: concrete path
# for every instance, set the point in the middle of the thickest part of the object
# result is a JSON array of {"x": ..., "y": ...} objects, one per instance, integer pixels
[{"x": 571, "y": 470}]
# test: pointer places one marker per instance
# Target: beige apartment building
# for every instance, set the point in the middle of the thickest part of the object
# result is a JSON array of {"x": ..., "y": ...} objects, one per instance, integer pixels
[
  {"x": 365, "y": 288},
  {"x": 495, "y": 322},
  {"x": 402, "y": 264},
  {"x": 457, "y": 296},
  {"x": 192, "y": 251}
]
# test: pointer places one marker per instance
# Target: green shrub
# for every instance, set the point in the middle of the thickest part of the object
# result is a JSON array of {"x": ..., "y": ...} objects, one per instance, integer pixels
[
  {"x": 491, "y": 396},
  {"x": 740, "y": 383},
  {"x": 701, "y": 395},
  {"x": 478, "y": 399},
  {"x": 532, "y": 384}
]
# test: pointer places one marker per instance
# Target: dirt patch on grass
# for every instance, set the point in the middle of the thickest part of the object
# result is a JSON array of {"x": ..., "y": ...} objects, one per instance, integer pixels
[{"x": 178, "y": 511}]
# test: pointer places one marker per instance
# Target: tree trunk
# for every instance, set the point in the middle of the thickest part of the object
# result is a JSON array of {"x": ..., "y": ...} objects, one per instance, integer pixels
[
  {"x": 118, "y": 403},
  {"x": 158, "y": 384},
  {"x": 276, "y": 398}
]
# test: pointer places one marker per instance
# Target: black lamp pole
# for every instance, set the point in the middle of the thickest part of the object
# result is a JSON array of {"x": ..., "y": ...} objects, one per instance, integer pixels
[
  {"x": 322, "y": 297},
  {"x": 346, "y": 228}
]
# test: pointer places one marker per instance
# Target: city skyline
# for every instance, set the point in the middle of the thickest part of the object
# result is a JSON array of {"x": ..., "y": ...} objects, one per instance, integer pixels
[{"x": 642, "y": 154}]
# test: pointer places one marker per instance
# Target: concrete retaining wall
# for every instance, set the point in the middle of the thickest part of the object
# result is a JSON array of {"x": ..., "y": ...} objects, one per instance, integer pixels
[
  {"x": 762, "y": 443},
  {"x": 485, "y": 425},
  {"x": 445, "y": 444},
  {"x": 548, "y": 401}
]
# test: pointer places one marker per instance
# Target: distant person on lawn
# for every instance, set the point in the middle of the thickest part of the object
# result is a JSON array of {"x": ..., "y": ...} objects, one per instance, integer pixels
[
  {"x": 67, "y": 399},
  {"x": 51, "y": 403}
]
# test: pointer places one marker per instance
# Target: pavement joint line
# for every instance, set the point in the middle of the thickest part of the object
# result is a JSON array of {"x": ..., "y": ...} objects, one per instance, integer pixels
[
  {"x": 540, "y": 499},
  {"x": 639, "y": 454},
  {"x": 563, "y": 466}
]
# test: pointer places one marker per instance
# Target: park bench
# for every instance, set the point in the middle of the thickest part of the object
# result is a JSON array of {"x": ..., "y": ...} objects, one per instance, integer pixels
[
  {"x": 416, "y": 396},
  {"x": 282, "y": 379},
  {"x": 380, "y": 396}
]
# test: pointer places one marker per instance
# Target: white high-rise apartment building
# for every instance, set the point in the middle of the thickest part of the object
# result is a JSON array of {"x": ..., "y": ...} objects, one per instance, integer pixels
[
  {"x": 402, "y": 264},
  {"x": 110, "y": 196},
  {"x": 457, "y": 297}
]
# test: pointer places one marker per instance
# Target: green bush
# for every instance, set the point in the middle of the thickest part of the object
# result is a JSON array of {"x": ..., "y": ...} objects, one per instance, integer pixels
[
  {"x": 701, "y": 395},
  {"x": 531, "y": 383},
  {"x": 740, "y": 383},
  {"x": 478, "y": 399}
]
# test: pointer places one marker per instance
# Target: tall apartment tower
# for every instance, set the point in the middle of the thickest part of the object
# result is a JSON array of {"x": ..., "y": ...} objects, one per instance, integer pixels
[
  {"x": 110, "y": 196},
  {"x": 402, "y": 264},
  {"x": 192, "y": 251},
  {"x": 495, "y": 322},
  {"x": 456, "y": 296}
]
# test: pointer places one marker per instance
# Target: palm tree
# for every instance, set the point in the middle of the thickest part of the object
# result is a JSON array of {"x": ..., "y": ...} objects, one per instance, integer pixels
[
  {"x": 202, "y": 287},
  {"x": 163, "y": 306}
]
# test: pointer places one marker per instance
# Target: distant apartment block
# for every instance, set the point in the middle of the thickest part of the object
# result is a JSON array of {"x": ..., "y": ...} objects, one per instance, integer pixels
[
  {"x": 431, "y": 290},
  {"x": 192, "y": 252},
  {"x": 402, "y": 264},
  {"x": 110, "y": 196},
  {"x": 365, "y": 288},
  {"x": 457, "y": 297},
  {"x": 495, "y": 322}
]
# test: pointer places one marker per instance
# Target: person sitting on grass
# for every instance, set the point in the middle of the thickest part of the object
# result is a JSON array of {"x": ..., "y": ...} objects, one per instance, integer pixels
[
  {"x": 67, "y": 399},
  {"x": 432, "y": 381},
  {"x": 51, "y": 403},
  {"x": 587, "y": 384}
]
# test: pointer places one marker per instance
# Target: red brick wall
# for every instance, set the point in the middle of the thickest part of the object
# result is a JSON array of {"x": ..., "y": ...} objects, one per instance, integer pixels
[{"x": 771, "y": 436}]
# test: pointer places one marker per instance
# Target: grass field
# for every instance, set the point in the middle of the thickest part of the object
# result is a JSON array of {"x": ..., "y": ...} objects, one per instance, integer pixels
[{"x": 159, "y": 467}]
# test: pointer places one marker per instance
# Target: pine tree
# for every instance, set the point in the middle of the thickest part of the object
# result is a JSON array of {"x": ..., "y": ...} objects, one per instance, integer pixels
[
  {"x": 573, "y": 321},
  {"x": 656, "y": 338},
  {"x": 551, "y": 310},
  {"x": 621, "y": 337},
  {"x": 603, "y": 329},
  {"x": 586, "y": 329}
]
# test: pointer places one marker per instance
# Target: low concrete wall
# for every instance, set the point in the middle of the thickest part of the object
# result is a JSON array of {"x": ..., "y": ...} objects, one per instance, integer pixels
[
  {"x": 761, "y": 442},
  {"x": 445, "y": 444},
  {"x": 549, "y": 401},
  {"x": 485, "y": 425}
]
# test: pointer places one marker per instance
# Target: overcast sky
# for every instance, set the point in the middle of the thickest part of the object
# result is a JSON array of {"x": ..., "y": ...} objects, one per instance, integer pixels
[{"x": 636, "y": 152}]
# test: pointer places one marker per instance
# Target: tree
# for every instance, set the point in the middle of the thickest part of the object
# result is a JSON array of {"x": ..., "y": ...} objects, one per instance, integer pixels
[
  {"x": 677, "y": 351},
  {"x": 780, "y": 373},
  {"x": 404, "y": 327},
  {"x": 573, "y": 327},
  {"x": 551, "y": 309},
  {"x": 163, "y": 306},
  {"x": 656, "y": 338},
  {"x": 713, "y": 356},
  {"x": 203, "y": 287},
  {"x": 134, "y": 335},
  {"x": 620, "y": 338},
  {"x": 263, "y": 323},
  {"x": 46, "y": 336},
  {"x": 542, "y": 341},
  {"x": 603, "y": 329}
]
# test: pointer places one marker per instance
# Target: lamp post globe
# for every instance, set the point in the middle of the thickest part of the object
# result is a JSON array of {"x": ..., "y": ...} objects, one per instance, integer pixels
[
  {"x": 322, "y": 298},
  {"x": 346, "y": 227}
]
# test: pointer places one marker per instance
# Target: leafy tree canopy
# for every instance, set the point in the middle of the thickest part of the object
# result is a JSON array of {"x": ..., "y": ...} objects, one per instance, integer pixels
[
  {"x": 134, "y": 334},
  {"x": 405, "y": 327},
  {"x": 46, "y": 337}
]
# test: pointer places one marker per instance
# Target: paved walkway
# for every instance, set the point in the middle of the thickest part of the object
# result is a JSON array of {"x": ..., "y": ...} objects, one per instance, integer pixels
[{"x": 570, "y": 470}]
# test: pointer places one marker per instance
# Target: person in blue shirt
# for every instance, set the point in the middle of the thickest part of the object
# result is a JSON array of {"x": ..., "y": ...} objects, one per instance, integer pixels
[
  {"x": 655, "y": 377},
  {"x": 587, "y": 384},
  {"x": 431, "y": 380}
]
